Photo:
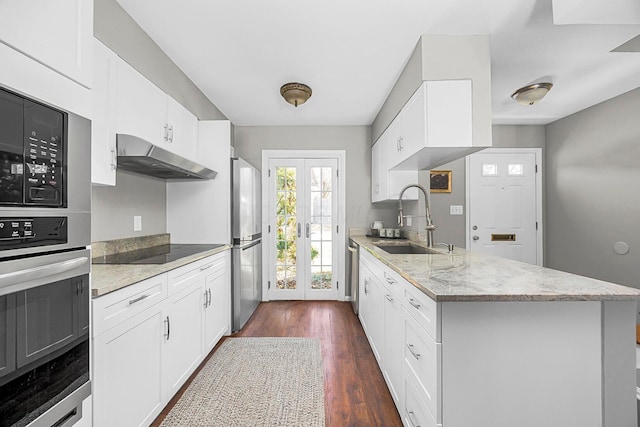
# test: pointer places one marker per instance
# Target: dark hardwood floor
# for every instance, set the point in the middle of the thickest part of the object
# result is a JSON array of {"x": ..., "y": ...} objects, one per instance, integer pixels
[{"x": 355, "y": 392}]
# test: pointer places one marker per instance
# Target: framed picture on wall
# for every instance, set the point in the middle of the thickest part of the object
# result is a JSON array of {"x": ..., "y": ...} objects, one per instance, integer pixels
[{"x": 440, "y": 181}]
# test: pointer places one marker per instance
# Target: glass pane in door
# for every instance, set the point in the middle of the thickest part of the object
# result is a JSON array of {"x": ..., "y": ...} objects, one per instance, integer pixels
[
  {"x": 321, "y": 227},
  {"x": 286, "y": 228}
]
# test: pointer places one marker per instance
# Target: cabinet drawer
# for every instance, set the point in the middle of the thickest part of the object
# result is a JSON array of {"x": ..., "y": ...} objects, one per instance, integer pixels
[
  {"x": 392, "y": 281},
  {"x": 389, "y": 278},
  {"x": 423, "y": 309},
  {"x": 116, "y": 307},
  {"x": 422, "y": 357},
  {"x": 181, "y": 277},
  {"x": 415, "y": 412}
]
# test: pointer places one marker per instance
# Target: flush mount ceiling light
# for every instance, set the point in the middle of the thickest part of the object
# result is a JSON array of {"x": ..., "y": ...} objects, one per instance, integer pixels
[
  {"x": 295, "y": 93},
  {"x": 531, "y": 94}
]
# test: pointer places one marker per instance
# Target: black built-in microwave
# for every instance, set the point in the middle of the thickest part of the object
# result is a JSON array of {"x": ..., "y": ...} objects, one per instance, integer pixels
[{"x": 33, "y": 147}]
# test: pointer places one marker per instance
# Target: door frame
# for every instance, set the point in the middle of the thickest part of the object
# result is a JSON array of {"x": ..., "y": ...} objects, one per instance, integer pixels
[
  {"x": 538, "y": 190},
  {"x": 340, "y": 155}
]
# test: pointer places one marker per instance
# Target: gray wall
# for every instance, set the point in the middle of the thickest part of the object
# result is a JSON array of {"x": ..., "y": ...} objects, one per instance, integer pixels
[
  {"x": 593, "y": 190},
  {"x": 452, "y": 228},
  {"x": 355, "y": 140},
  {"x": 113, "y": 208}
]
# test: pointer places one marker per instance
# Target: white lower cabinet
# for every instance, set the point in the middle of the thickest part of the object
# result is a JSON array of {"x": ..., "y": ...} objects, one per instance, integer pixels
[
  {"x": 393, "y": 345},
  {"x": 414, "y": 411},
  {"x": 183, "y": 336},
  {"x": 371, "y": 307},
  {"x": 402, "y": 329},
  {"x": 151, "y": 336},
  {"x": 217, "y": 302},
  {"x": 127, "y": 371}
]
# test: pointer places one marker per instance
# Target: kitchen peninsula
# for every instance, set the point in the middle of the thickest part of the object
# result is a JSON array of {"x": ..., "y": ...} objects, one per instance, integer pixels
[{"x": 465, "y": 339}]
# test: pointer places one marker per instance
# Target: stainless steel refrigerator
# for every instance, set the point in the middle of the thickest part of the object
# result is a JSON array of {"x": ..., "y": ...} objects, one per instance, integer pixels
[{"x": 246, "y": 229}]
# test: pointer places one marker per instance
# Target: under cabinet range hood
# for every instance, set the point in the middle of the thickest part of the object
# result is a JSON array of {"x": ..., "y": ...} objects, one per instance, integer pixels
[{"x": 140, "y": 156}]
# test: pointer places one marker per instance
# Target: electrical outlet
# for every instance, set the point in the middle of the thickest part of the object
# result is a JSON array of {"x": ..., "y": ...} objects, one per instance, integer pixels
[
  {"x": 455, "y": 210},
  {"x": 137, "y": 223}
]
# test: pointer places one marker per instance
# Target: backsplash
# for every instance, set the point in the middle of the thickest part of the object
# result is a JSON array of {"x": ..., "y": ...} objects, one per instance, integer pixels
[
  {"x": 110, "y": 247},
  {"x": 113, "y": 208}
]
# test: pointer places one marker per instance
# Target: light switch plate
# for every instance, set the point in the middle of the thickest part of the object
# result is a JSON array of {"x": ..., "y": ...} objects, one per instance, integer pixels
[
  {"x": 455, "y": 210},
  {"x": 137, "y": 223}
]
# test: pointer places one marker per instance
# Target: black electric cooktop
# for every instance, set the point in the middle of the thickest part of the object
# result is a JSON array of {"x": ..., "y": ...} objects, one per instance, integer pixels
[{"x": 154, "y": 255}]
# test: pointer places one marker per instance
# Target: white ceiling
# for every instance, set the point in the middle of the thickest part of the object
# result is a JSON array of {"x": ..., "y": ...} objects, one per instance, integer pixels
[{"x": 239, "y": 53}]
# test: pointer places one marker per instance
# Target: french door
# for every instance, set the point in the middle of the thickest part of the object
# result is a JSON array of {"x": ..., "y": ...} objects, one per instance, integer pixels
[{"x": 304, "y": 229}]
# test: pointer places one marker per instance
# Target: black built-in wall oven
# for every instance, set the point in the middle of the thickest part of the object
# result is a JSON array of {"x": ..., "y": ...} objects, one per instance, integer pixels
[{"x": 45, "y": 232}]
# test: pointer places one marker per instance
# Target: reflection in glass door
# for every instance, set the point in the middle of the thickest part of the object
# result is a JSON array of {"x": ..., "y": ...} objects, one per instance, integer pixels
[{"x": 304, "y": 216}]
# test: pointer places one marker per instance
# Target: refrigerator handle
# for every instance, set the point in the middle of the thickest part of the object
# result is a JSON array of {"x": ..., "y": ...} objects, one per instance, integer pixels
[
  {"x": 307, "y": 230},
  {"x": 250, "y": 245},
  {"x": 299, "y": 230}
]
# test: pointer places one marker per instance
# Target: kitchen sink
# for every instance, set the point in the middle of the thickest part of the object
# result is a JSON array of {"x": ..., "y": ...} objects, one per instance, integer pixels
[{"x": 407, "y": 248}]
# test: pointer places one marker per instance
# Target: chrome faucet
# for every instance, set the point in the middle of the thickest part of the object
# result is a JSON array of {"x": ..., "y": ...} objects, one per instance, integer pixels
[{"x": 430, "y": 227}]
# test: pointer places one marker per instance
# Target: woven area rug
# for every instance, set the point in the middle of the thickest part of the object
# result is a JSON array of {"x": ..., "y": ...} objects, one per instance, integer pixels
[{"x": 256, "y": 382}]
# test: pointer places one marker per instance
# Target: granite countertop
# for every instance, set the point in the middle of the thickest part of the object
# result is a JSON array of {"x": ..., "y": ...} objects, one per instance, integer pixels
[
  {"x": 469, "y": 276},
  {"x": 106, "y": 278}
]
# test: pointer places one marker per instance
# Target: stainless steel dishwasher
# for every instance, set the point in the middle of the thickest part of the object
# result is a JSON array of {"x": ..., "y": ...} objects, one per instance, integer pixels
[{"x": 353, "y": 276}]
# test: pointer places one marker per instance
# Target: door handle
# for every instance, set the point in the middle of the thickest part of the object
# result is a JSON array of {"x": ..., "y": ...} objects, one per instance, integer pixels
[
  {"x": 416, "y": 355},
  {"x": 476, "y": 237},
  {"x": 307, "y": 230},
  {"x": 206, "y": 299},
  {"x": 168, "y": 328},
  {"x": 299, "y": 230},
  {"x": 352, "y": 249},
  {"x": 209, "y": 296}
]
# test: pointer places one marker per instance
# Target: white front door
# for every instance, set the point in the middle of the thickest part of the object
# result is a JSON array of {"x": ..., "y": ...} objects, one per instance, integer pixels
[
  {"x": 504, "y": 212},
  {"x": 303, "y": 214}
]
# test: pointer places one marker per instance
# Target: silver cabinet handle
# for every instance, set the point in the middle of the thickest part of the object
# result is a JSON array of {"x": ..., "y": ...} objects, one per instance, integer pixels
[
  {"x": 416, "y": 355},
  {"x": 206, "y": 267},
  {"x": 209, "y": 296},
  {"x": 307, "y": 229},
  {"x": 400, "y": 140},
  {"x": 140, "y": 298},
  {"x": 388, "y": 297},
  {"x": 352, "y": 249},
  {"x": 299, "y": 230},
  {"x": 171, "y": 133},
  {"x": 416, "y": 305},
  {"x": 206, "y": 299},
  {"x": 411, "y": 416},
  {"x": 389, "y": 279},
  {"x": 114, "y": 159},
  {"x": 366, "y": 283},
  {"x": 168, "y": 323},
  {"x": 166, "y": 132}
]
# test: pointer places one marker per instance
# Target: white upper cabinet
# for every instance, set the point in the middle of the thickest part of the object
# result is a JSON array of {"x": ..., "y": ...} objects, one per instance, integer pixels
[
  {"x": 145, "y": 111},
  {"x": 103, "y": 134},
  {"x": 46, "y": 51},
  {"x": 183, "y": 130},
  {"x": 56, "y": 33},
  {"x": 433, "y": 126},
  {"x": 386, "y": 184},
  {"x": 141, "y": 106}
]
